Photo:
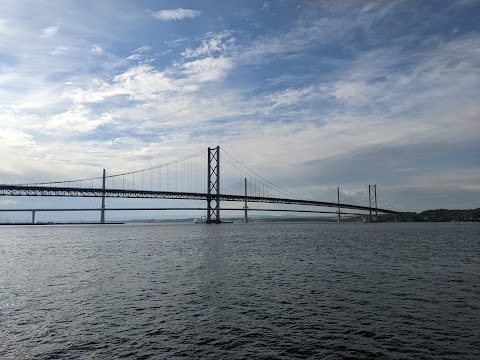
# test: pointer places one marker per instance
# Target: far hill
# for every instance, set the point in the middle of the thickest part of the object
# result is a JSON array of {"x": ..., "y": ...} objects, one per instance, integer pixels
[
  {"x": 439, "y": 215},
  {"x": 451, "y": 215}
]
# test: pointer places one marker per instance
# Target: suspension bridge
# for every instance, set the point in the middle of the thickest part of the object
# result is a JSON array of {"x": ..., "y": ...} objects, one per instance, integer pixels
[{"x": 210, "y": 176}]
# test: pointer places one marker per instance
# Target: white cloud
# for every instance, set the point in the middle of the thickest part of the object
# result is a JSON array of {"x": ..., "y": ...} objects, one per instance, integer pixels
[
  {"x": 459, "y": 178},
  {"x": 305, "y": 35},
  {"x": 98, "y": 92},
  {"x": 356, "y": 92},
  {"x": 146, "y": 83},
  {"x": 97, "y": 49},
  {"x": 139, "y": 53},
  {"x": 464, "y": 3},
  {"x": 49, "y": 31},
  {"x": 176, "y": 14},
  {"x": 19, "y": 117},
  {"x": 143, "y": 82},
  {"x": 78, "y": 119},
  {"x": 134, "y": 57},
  {"x": 59, "y": 50},
  {"x": 208, "y": 69},
  {"x": 4, "y": 29},
  {"x": 299, "y": 38},
  {"x": 143, "y": 49},
  {"x": 15, "y": 138},
  {"x": 212, "y": 44},
  {"x": 289, "y": 98}
]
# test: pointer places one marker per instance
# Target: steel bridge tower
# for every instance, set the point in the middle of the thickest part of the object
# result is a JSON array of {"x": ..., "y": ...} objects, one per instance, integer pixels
[
  {"x": 372, "y": 199},
  {"x": 213, "y": 195}
]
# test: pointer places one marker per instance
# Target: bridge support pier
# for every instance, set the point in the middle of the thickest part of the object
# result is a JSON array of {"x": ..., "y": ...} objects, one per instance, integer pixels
[
  {"x": 33, "y": 216},
  {"x": 102, "y": 210},
  {"x": 369, "y": 218}
]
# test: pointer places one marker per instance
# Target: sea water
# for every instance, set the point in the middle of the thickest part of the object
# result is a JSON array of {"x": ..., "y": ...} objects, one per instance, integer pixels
[{"x": 240, "y": 291}]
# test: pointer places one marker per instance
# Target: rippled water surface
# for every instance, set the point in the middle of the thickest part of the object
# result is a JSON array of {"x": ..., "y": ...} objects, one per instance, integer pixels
[{"x": 283, "y": 291}]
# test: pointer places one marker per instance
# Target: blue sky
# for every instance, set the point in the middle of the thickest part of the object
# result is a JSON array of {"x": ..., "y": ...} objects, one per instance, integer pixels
[{"x": 310, "y": 94}]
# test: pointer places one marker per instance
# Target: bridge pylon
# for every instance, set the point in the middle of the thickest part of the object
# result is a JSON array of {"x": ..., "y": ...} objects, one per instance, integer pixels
[
  {"x": 102, "y": 210},
  {"x": 372, "y": 201},
  {"x": 213, "y": 194},
  {"x": 338, "y": 202}
]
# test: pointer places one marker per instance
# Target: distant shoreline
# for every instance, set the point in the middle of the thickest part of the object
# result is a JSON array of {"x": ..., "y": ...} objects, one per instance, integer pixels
[{"x": 438, "y": 215}]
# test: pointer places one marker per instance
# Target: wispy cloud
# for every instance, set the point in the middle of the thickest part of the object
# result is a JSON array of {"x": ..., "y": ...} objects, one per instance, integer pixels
[
  {"x": 143, "y": 49},
  {"x": 301, "y": 37},
  {"x": 139, "y": 53},
  {"x": 175, "y": 14},
  {"x": 59, "y": 50},
  {"x": 97, "y": 49},
  {"x": 78, "y": 119},
  {"x": 464, "y": 3},
  {"x": 49, "y": 31},
  {"x": 211, "y": 45}
]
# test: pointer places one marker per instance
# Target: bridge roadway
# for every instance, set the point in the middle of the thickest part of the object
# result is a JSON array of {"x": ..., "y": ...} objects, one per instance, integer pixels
[
  {"x": 172, "y": 209},
  {"x": 19, "y": 190}
]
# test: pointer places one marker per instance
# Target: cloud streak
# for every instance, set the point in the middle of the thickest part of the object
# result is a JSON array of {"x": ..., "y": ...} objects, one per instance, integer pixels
[{"x": 175, "y": 14}]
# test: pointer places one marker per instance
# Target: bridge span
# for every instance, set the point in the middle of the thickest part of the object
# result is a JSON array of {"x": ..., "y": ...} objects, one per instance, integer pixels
[{"x": 263, "y": 192}]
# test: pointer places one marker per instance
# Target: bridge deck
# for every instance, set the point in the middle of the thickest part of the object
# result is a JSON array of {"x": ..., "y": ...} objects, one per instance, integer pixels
[{"x": 18, "y": 190}]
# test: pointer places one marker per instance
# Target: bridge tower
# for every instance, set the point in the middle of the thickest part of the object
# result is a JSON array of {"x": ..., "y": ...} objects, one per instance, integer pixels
[
  {"x": 102, "y": 210},
  {"x": 213, "y": 195},
  {"x": 372, "y": 199},
  {"x": 338, "y": 202}
]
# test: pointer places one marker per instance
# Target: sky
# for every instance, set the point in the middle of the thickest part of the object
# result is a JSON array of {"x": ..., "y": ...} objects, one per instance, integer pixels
[{"x": 310, "y": 94}]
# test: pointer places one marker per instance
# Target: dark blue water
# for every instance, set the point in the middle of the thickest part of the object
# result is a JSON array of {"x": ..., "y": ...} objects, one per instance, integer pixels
[{"x": 264, "y": 291}]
